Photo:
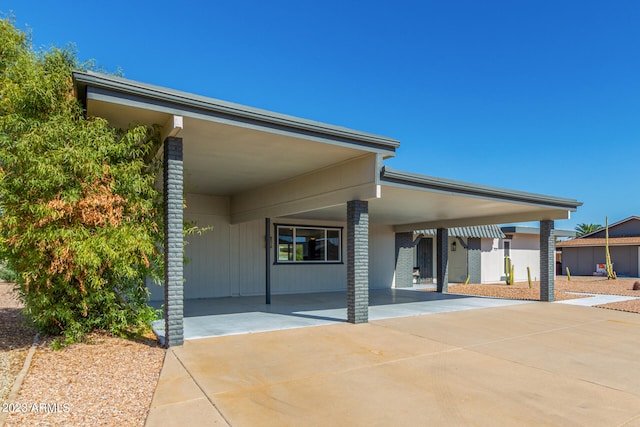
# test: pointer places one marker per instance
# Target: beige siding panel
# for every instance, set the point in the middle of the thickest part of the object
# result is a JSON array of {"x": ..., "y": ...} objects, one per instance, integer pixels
[
  {"x": 206, "y": 271},
  {"x": 350, "y": 180},
  {"x": 382, "y": 256},
  {"x": 234, "y": 257},
  {"x": 251, "y": 258},
  {"x": 304, "y": 278}
]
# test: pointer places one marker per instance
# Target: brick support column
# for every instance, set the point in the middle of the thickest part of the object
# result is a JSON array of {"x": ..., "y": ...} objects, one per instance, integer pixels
[
  {"x": 357, "y": 261},
  {"x": 404, "y": 259},
  {"x": 173, "y": 242},
  {"x": 547, "y": 260},
  {"x": 442, "y": 248},
  {"x": 474, "y": 259}
]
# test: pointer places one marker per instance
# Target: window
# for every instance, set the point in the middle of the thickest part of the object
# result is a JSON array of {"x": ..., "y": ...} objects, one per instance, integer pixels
[
  {"x": 507, "y": 248},
  {"x": 308, "y": 244}
]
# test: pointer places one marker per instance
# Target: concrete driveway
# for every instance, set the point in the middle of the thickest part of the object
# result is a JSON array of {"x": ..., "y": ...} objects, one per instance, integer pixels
[{"x": 529, "y": 364}]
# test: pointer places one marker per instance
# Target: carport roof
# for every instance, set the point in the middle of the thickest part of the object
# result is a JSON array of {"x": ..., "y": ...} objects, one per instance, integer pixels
[
  {"x": 100, "y": 86},
  {"x": 249, "y": 148}
]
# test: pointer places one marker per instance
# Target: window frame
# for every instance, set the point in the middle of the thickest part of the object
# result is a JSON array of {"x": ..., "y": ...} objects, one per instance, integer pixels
[{"x": 295, "y": 227}]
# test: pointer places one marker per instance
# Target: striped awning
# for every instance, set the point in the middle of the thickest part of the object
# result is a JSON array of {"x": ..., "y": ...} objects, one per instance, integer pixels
[{"x": 478, "y": 231}]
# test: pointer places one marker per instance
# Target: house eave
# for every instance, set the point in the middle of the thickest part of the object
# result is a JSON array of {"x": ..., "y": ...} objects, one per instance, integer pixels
[
  {"x": 401, "y": 178},
  {"x": 238, "y": 112}
]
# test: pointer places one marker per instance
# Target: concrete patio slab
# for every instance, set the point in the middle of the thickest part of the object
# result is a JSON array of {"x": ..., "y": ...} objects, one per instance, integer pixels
[
  {"x": 239, "y": 315},
  {"x": 527, "y": 364}
]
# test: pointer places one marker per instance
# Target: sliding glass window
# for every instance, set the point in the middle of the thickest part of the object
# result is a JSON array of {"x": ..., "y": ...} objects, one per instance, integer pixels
[{"x": 298, "y": 244}]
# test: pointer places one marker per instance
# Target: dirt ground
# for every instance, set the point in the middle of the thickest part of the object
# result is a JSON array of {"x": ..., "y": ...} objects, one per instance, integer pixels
[
  {"x": 562, "y": 290},
  {"x": 111, "y": 381},
  {"x": 107, "y": 381}
]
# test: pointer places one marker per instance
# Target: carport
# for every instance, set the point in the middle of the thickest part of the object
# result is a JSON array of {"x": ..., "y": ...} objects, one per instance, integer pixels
[{"x": 244, "y": 171}]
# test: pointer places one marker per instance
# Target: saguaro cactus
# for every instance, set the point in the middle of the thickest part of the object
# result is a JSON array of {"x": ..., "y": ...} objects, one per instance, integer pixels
[
  {"x": 508, "y": 270},
  {"x": 609, "y": 267}
]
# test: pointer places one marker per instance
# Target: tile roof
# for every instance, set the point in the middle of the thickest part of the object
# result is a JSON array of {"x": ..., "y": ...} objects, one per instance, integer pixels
[
  {"x": 613, "y": 241},
  {"x": 478, "y": 231}
]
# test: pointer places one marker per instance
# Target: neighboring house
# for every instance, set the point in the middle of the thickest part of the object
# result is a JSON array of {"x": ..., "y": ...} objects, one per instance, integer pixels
[
  {"x": 297, "y": 206},
  {"x": 583, "y": 254},
  {"x": 479, "y": 253},
  {"x": 522, "y": 245}
]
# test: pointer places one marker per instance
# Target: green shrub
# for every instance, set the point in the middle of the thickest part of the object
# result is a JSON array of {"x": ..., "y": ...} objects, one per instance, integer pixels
[{"x": 80, "y": 218}]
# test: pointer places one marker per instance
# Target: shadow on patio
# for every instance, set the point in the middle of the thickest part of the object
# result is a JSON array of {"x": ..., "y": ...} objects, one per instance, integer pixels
[{"x": 237, "y": 315}]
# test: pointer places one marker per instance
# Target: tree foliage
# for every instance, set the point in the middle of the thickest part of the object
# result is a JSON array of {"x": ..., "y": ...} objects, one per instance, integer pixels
[
  {"x": 583, "y": 229},
  {"x": 80, "y": 218}
]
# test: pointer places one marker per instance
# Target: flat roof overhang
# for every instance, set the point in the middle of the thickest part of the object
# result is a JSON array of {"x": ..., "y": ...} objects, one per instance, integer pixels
[
  {"x": 411, "y": 202},
  {"x": 228, "y": 148}
]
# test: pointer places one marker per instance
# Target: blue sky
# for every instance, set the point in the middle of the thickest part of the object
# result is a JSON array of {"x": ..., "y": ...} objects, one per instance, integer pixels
[{"x": 539, "y": 96}]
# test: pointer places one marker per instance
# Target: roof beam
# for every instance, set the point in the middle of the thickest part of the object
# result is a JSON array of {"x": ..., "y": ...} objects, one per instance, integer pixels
[
  {"x": 486, "y": 220},
  {"x": 335, "y": 185}
]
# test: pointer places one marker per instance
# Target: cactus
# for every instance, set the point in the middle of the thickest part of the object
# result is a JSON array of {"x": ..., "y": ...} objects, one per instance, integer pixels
[
  {"x": 512, "y": 275},
  {"x": 609, "y": 267},
  {"x": 508, "y": 270}
]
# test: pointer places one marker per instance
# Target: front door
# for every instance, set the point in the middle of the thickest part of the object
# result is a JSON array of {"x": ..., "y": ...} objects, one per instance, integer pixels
[{"x": 425, "y": 258}]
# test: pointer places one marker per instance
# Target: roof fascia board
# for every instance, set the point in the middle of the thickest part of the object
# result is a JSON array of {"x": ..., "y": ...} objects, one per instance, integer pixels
[
  {"x": 510, "y": 229},
  {"x": 594, "y": 245},
  {"x": 177, "y": 101},
  {"x": 415, "y": 181},
  {"x": 496, "y": 219}
]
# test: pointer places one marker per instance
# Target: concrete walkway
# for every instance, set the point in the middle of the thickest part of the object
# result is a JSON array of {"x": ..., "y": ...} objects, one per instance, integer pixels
[{"x": 524, "y": 364}]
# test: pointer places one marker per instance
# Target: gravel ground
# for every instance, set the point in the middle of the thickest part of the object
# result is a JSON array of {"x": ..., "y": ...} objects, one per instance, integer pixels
[
  {"x": 15, "y": 339},
  {"x": 105, "y": 382},
  {"x": 590, "y": 285}
]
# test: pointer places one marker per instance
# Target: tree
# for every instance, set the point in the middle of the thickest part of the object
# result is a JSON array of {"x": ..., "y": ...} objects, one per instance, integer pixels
[
  {"x": 80, "y": 218},
  {"x": 583, "y": 229}
]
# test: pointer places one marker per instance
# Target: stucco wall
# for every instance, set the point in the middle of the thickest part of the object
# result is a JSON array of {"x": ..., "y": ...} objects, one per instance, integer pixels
[
  {"x": 492, "y": 260},
  {"x": 525, "y": 253}
]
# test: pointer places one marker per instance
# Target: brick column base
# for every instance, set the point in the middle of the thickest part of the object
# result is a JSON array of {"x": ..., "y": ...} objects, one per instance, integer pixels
[
  {"x": 404, "y": 259},
  {"x": 547, "y": 261},
  {"x": 357, "y": 261},
  {"x": 442, "y": 247},
  {"x": 173, "y": 243}
]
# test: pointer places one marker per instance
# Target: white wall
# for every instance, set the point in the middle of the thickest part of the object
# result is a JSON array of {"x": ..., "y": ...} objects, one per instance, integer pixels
[
  {"x": 492, "y": 260},
  {"x": 525, "y": 253}
]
